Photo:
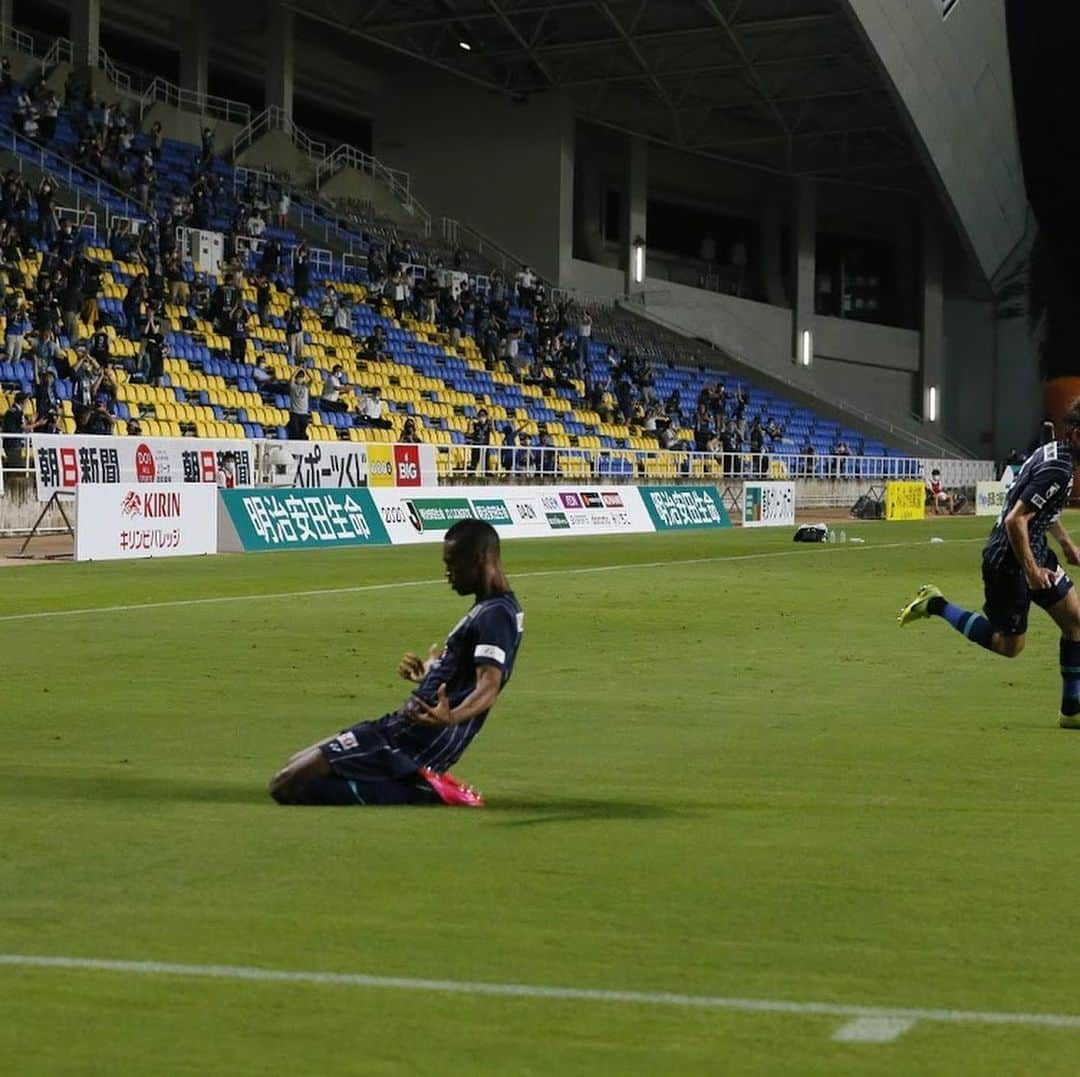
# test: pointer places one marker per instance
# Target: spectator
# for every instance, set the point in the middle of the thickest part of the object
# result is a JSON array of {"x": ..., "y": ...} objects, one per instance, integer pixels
[
  {"x": 265, "y": 380},
  {"x": 343, "y": 318},
  {"x": 152, "y": 357},
  {"x": 101, "y": 347},
  {"x": 18, "y": 326},
  {"x": 328, "y": 308},
  {"x": 7, "y": 83},
  {"x": 410, "y": 435},
  {"x": 546, "y": 445},
  {"x": 46, "y": 398},
  {"x": 937, "y": 496},
  {"x": 294, "y": 329},
  {"x": 375, "y": 346},
  {"x": 757, "y": 447},
  {"x": 238, "y": 337},
  {"x": 157, "y": 139},
  {"x": 372, "y": 409},
  {"x": 512, "y": 436},
  {"x": 134, "y": 299},
  {"x": 283, "y": 202},
  {"x": 99, "y": 421},
  {"x": 207, "y": 153},
  {"x": 479, "y": 436},
  {"x": 86, "y": 379},
  {"x": 46, "y": 355},
  {"x": 47, "y": 228},
  {"x": 263, "y": 296},
  {"x": 301, "y": 271},
  {"x": 333, "y": 386},
  {"x": 299, "y": 405},
  {"x": 226, "y": 476},
  {"x": 584, "y": 339},
  {"x": 17, "y": 422}
]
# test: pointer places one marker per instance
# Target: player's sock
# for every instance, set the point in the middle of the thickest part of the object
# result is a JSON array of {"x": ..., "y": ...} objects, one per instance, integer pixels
[
  {"x": 1070, "y": 677},
  {"x": 974, "y": 626}
]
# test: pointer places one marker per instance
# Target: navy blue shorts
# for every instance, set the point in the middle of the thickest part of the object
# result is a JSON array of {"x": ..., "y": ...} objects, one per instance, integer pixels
[
  {"x": 370, "y": 770},
  {"x": 1008, "y": 597}
]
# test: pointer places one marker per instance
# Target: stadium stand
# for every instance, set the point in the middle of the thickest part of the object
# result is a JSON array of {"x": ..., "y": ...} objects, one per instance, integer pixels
[{"x": 456, "y": 338}]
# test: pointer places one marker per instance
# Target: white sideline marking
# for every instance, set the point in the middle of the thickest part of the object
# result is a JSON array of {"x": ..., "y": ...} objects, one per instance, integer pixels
[
  {"x": 323, "y": 592},
  {"x": 865, "y": 1016},
  {"x": 873, "y": 1030}
]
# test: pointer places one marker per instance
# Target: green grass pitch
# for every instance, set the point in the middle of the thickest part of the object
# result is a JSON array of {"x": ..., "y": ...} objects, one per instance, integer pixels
[{"x": 727, "y": 774}]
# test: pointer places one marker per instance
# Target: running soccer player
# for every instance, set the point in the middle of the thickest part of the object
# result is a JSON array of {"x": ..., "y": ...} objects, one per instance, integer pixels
[
  {"x": 1019, "y": 568},
  {"x": 403, "y": 757}
]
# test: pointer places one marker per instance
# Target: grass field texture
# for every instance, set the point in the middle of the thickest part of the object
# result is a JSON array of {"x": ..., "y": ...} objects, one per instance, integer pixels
[{"x": 721, "y": 769}]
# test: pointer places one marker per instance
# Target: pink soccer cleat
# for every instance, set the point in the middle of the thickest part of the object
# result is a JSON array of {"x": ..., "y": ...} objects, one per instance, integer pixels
[{"x": 450, "y": 791}]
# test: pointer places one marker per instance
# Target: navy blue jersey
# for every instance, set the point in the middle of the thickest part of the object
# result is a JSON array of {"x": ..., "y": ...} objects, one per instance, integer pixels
[
  {"x": 488, "y": 635},
  {"x": 1044, "y": 484}
]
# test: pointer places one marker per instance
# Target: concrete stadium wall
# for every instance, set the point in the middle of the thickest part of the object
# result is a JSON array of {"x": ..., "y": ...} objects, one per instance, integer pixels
[
  {"x": 20, "y": 508},
  {"x": 871, "y": 367},
  {"x": 275, "y": 151},
  {"x": 505, "y": 169},
  {"x": 351, "y": 183},
  {"x": 953, "y": 79},
  {"x": 187, "y": 126}
]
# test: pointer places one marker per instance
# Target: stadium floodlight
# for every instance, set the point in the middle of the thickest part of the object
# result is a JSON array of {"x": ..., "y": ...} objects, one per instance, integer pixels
[
  {"x": 465, "y": 45},
  {"x": 639, "y": 260},
  {"x": 932, "y": 404},
  {"x": 806, "y": 349}
]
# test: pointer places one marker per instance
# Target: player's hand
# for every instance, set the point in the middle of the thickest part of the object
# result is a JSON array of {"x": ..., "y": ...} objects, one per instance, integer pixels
[
  {"x": 1042, "y": 579},
  {"x": 413, "y": 668},
  {"x": 424, "y": 714}
]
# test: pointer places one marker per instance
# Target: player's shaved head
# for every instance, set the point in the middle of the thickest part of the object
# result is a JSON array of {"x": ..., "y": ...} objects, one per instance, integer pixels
[{"x": 474, "y": 539}]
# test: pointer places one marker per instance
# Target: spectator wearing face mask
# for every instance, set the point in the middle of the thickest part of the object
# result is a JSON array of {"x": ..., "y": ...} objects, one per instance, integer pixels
[{"x": 299, "y": 405}]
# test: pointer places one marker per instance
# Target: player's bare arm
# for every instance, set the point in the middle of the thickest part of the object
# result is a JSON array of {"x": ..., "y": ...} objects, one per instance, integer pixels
[
  {"x": 1064, "y": 540},
  {"x": 1016, "y": 527},
  {"x": 480, "y": 699}
]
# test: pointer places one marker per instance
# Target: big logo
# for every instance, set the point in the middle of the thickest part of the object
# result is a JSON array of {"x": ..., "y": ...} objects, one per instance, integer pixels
[{"x": 407, "y": 465}]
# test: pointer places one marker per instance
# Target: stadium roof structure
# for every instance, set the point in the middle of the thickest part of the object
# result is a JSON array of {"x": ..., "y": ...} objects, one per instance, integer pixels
[{"x": 787, "y": 86}]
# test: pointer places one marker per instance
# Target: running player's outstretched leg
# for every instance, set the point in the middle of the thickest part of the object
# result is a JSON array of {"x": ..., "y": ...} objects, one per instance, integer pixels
[
  {"x": 930, "y": 602},
  {"x": 1066, "y": 615}
]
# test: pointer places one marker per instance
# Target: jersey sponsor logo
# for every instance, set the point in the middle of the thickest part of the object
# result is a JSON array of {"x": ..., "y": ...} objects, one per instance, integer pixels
[
  {"x": 1038, "y": 501},
  {"x": 489, "y": 650},
  {"x": 347, "y": 739}
]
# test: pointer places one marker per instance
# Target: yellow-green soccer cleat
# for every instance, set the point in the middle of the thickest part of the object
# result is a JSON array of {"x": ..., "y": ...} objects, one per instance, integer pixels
[
  {"x": 1069, "y": 721},
  {"x": 916, "y": 608}
]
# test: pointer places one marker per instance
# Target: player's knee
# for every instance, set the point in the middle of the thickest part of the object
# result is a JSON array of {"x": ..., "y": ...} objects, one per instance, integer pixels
[
  {"x": 1010, "y": 646},
  {"x": 281, "y": 786}
]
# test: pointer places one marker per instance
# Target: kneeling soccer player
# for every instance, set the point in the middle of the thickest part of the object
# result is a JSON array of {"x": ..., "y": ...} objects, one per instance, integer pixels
[
  {"x": 1019, "y": 568},
  {"x": 403, "y": 757}
]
